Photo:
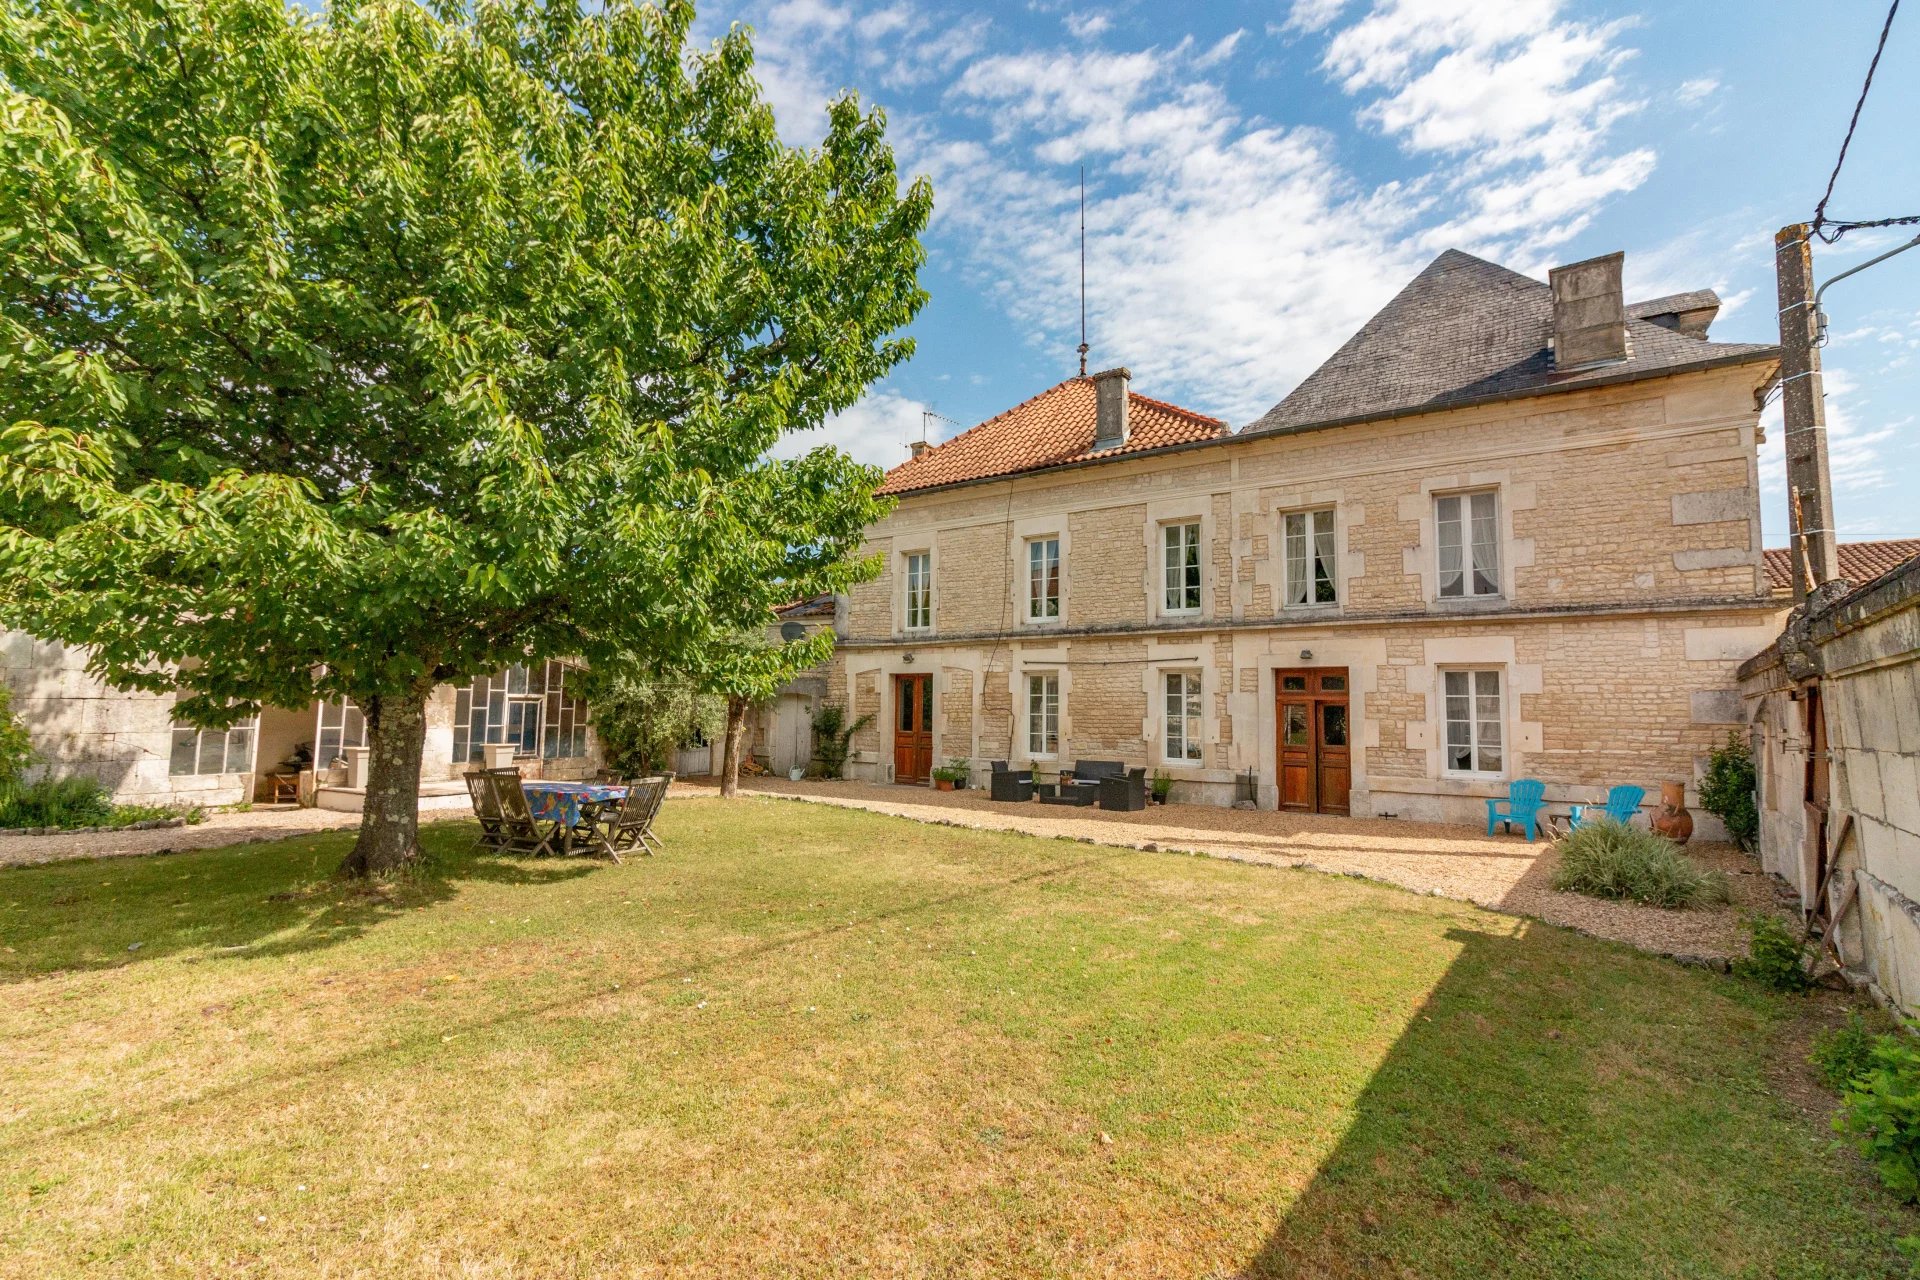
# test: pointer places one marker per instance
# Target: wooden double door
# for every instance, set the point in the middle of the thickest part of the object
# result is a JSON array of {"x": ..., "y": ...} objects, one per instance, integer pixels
[
  {"x": 912, "y": 728},
  {"x": 1316, "y": 770}
]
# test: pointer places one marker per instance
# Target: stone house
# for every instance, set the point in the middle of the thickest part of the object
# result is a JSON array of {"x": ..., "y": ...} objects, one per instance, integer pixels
[
  {"x": 130, "y": 742},
  {"x": 1834, "y": 708},
  {"x": 1509, "y": 529}
]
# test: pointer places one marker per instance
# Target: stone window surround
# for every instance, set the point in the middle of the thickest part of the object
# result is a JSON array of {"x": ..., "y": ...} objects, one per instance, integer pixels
[
  {"x": 1155, "y": 727},
  {"x": 1023, "y": 533},
  {"x": 1050, "y": 661},
  {"x": 1349, "y": 562},
  {"x": 1194, "y": 509},
  {"x": 1277, "y": 548},
  {"x": 930, "y": 550},
  {"x": 1518, "y": 680},
  {"x": 1422, "y": 560}
]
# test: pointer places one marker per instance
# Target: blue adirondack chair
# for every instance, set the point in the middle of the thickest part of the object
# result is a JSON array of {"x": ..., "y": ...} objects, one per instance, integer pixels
[
  {"x": 1622, "y": 803},
  {"x": 1525, "y": 799}
]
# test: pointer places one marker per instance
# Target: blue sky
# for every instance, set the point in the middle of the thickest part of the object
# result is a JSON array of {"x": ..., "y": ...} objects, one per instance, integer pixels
[{"x": 1261, "y": 178}]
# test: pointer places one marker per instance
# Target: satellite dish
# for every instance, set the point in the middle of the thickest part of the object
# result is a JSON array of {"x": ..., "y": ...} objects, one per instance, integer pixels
[{"x": 792, "y": 631}]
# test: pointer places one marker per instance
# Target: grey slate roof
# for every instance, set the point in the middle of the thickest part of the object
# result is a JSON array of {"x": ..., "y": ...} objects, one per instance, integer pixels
[
  {"x": 1674, "y": 303},
  {"x": 1465, "y": 331}
]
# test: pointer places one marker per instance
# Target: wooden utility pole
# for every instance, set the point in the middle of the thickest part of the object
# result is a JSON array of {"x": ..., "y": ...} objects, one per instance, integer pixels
[{"x": 1816, "y": 556}]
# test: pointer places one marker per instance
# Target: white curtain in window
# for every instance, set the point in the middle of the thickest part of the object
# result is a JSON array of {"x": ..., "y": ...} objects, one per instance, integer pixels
[
  {"x": 1323, "y": 589},
  {"x": 1486, "y": 546},
  {"x": 1452, "y": 559},
  {"x": 1297, "y": 575}
]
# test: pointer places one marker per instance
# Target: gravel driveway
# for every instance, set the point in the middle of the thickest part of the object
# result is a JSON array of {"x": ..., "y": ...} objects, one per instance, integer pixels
[{"x": 1506, "y": 873}]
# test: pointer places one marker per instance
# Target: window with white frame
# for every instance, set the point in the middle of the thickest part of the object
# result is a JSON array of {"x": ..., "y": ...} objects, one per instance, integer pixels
[
  {"x": 919, "y": 590},
  {"x": 1043, "y": 579},
  {"x": 1180, "y": 567},
  {"x": 538, "y": 709},
  {"x": 1468, "y": 528},
  {"x": 211, "y": 751},
  {"x": 1183, "y": 715},
  {"x": 1310, "y": 558},
  {"x": 1475, "y": 741},
  {"x": 1043, "y": 713},
  {"x": 341, "y": 726}
]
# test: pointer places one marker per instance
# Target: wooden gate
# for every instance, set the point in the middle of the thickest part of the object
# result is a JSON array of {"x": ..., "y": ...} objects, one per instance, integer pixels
[{"x": 1316, "y": 770}]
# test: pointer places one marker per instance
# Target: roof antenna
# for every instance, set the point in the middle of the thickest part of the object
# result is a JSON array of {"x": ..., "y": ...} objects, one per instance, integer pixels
[{"x": 1083, "y": 271}]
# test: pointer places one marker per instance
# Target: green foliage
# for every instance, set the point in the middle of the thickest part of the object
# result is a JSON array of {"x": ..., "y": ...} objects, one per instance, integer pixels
[
  {"x": 16, "y": 749},
  {"x": 1730, "y": 791},
  {"x": 641, "y": 716},
  {"x": 1605, "y": 859},
  {"x": 1162, "y": 786},
  {"x": 1881, "y": 1111},
  {"x": 1843, "y": 1054},
  {"x": 79, "y": 802},
  {"x": 1776, "y": 956},
  {"x": 351, "y": 352},
  {"x": 833, "y": 737},
  {"x": 958, "y": 769}
]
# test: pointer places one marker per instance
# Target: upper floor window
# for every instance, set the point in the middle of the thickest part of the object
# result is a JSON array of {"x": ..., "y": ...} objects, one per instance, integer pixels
[
  {"x": 1183, "y": 715},
  {"x": 1043, "y": 579},
  {"x": 919, "y": 591},
  {"x": 1469, "y": 535},
  {"x": 1310, "y": 567},
  {"x": 1043, "y": 714},
  {"x": 209, "y": 751},
  {"x": 1474, "y": 717},
  {"x": 1180, "y": 571}
]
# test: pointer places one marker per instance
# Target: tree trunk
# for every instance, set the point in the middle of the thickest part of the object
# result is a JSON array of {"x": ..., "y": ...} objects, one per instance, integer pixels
[
  {"x": 390, "y": 821},
  {"x": 736, "y": 738}
]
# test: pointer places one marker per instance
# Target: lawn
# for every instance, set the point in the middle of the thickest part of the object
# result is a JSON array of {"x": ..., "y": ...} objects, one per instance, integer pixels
[{"x": 817, "y": 1042}]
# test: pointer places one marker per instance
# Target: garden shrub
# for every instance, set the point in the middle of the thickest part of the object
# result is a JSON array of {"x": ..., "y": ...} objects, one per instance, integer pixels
[
  {"x": 1604, "y": 859},
  {"x": 833, "y": 737},
  {"x": 1730, "y": 792},
  {"x": 1881, "y": 1111},
  {"x": 1843, "y": 1054},
  {"x": 1776, "y": 955}
]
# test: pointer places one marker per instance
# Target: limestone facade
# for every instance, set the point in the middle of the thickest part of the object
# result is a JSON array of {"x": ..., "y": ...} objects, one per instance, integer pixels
[{"x": 1629, "y": 585}]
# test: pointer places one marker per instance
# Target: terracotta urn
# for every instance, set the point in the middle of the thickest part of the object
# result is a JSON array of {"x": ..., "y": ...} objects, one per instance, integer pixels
[{"x": 1672, "y": 819}]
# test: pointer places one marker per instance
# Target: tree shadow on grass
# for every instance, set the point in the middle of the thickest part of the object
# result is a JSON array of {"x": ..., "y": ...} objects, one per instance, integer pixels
[
  {"x": 1556, "y": 1110},
  {"x": 273, "y": 899}
]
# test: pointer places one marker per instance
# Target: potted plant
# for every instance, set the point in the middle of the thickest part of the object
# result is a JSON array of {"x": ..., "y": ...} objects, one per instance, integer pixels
[
  {"x": 952, "y": 775},
  {"x": 1162, "y": 786}
]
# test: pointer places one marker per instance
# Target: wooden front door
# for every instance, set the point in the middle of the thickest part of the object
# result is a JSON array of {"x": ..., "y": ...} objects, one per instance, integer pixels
[
  {"x": 912, "y": 728},
  {"x": 1316, "y": 770}
]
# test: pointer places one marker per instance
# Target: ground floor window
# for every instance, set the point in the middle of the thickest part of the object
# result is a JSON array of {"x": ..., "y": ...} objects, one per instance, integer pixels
[
  {"x": 1043, "y": 714},
  {"x": 341, "y": 726},
  {"x": 535, "y": 708},
  {"x": 1474, "y": 720},
  {"x": 1183, "y": 715},
  {"x": 211, "y": 751}
]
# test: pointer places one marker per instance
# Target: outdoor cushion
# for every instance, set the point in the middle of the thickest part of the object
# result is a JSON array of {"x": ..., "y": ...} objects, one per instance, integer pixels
[{"x": 1094, "y": 770}]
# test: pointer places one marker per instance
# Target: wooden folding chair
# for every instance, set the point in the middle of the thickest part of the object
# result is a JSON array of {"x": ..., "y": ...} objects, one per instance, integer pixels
[
  {"x": 628, "y": 828},
  {"x": 653, "y": 811},
  {"x": 486, "y": 808},
  {"x": 519, "y": 829}
]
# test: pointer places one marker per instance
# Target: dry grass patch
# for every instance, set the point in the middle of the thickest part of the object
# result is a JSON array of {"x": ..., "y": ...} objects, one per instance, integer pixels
[{"x": 828, "y": 1043}]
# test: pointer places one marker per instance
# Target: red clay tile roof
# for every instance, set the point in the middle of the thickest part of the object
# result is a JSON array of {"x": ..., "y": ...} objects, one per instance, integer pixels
[
  {"x": 820, "y": 606},
  {"x": 1055, "y": 426},
  {"x": 1860, "y": 562}
]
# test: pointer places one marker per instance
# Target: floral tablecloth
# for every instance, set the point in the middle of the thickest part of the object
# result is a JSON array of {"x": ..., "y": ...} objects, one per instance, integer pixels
[{"x": 562, "y": 802}]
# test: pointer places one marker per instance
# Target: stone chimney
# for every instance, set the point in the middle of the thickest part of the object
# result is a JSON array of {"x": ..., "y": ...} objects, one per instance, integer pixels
[
  {"x": 1110, "y": 429},
  {"x": 920, "y": 449},
  {"x": 1589, "y": 313}
]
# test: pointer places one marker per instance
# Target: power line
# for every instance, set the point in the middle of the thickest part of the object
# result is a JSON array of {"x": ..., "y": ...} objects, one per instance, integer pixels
[{"x": 1820, "y": 210}]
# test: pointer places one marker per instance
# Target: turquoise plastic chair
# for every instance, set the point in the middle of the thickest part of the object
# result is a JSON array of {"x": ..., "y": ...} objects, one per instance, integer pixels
[
  {"x": 1622, "y": 803},
  {"x": 1525, "y": 798}
]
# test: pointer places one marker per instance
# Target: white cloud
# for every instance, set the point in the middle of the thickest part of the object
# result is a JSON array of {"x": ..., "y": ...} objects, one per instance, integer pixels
[
  {"x": 1692, "y": 92},
  {"x": 876, "y": 430},
  {"x": 1314, "y": 15},
  {"x": 1085, "y": 26}
]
